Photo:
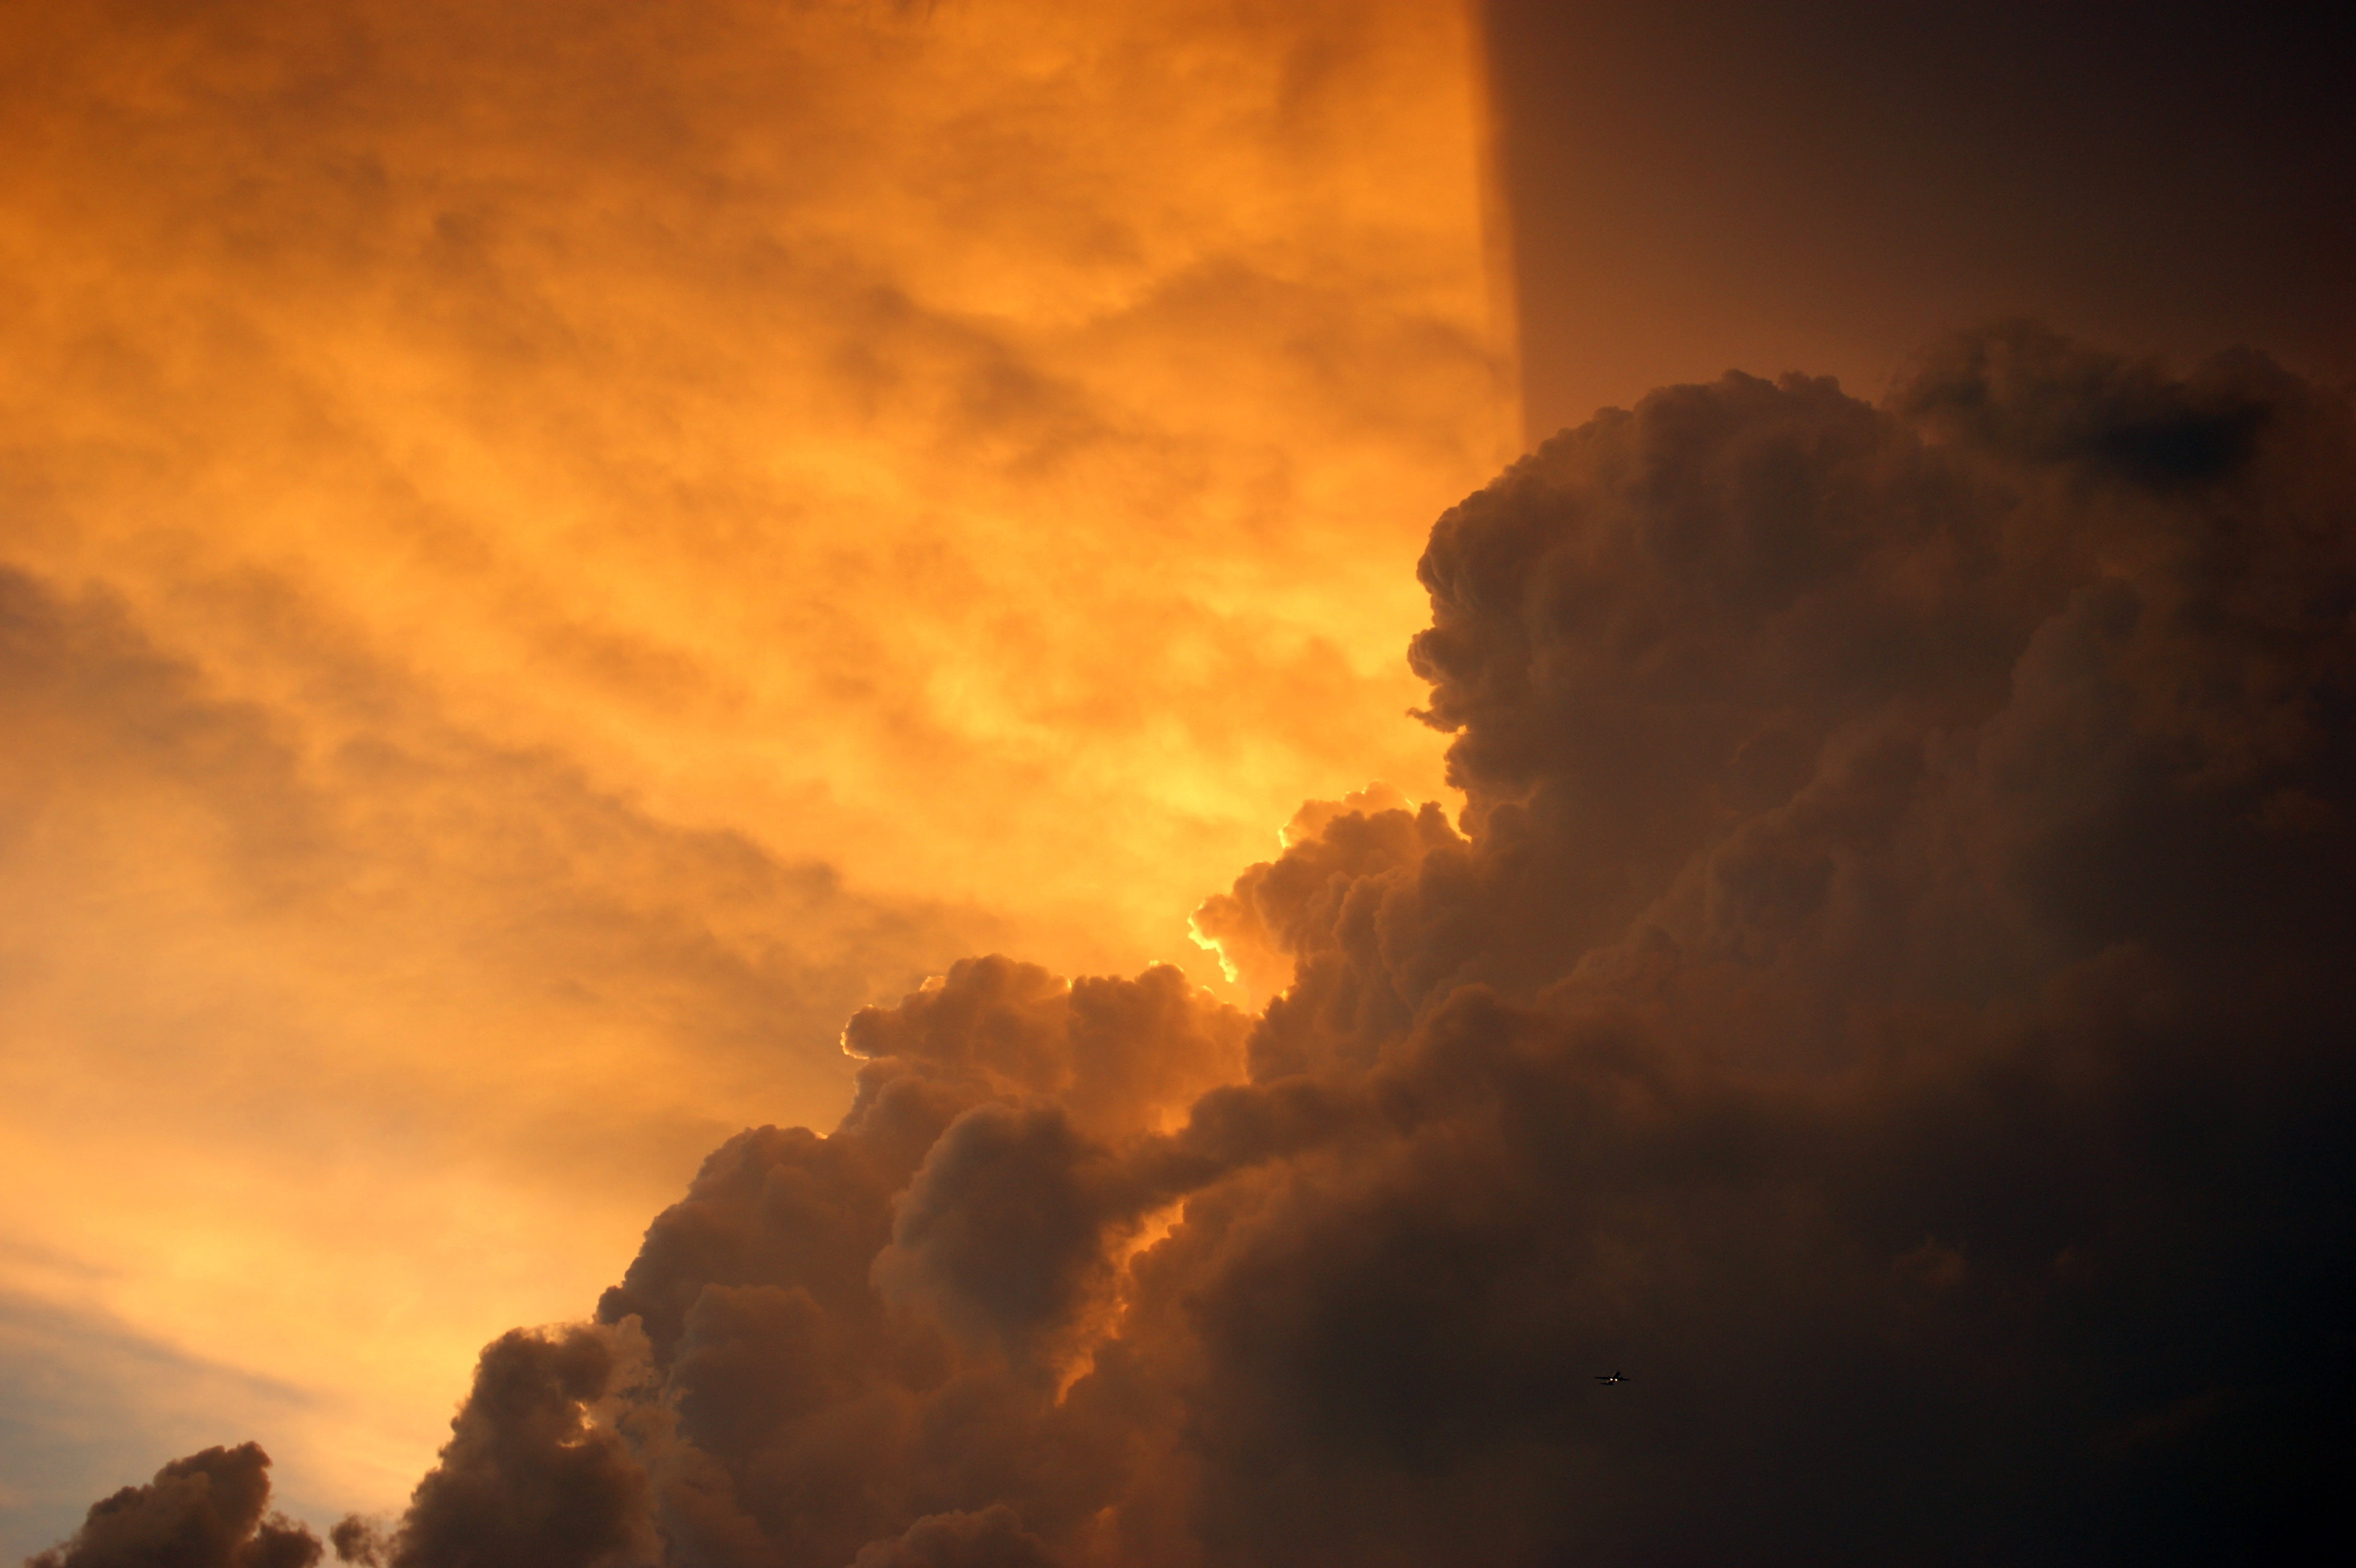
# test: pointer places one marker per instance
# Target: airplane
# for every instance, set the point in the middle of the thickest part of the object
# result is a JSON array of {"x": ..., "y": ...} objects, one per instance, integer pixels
[{"x": 1615, "y": 1378}]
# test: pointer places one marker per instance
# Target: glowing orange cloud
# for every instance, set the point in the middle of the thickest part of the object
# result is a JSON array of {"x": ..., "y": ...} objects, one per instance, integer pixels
[{"x": 553, "y": 551}]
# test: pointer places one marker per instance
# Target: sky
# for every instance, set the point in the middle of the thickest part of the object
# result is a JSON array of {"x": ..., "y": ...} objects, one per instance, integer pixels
[
  {"x": 568, "y": 571},
  {"x": 1826, "y": 185},
  {"x": 554, "y": 551}
]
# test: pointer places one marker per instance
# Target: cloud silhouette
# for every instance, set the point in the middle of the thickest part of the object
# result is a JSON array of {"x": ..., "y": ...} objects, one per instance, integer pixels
[
  {"x": 204, "y": 1511},
  {"x": 1886, "y": 992}
]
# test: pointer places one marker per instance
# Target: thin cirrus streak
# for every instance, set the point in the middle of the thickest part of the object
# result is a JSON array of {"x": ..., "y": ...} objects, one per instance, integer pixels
[{"x": 548, "y": 553}]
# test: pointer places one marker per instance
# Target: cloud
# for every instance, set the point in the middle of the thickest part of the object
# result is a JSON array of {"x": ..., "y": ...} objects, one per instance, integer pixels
[
  {"x": 204, "y": 1511},
  {"x": 1886, "y": 993},
  {"x": 527, "y": 1478},
  {"x": 993, "y": 1538},
  {"x": 828, "y": 417},
  {"x": 550, "y": 553},
  {"x": 255, "y": 979},
  {"x": 82, "y": 1395}
]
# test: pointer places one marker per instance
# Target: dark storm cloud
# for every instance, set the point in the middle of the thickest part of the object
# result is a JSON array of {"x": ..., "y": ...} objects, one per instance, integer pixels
[
  {"x": 526, "y": 1481},
  {"x": 204, "y": 1511},
  {"x": 1887, "y": 993}
]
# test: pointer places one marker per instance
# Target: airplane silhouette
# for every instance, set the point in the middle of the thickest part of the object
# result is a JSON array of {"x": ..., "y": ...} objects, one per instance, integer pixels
[{"x": 1615, "y": 1378}]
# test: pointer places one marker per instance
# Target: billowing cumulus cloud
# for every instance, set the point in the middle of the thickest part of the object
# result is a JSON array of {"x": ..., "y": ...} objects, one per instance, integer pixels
[
  {"x": 204, "y": 1511},
  {"x": 1886, "y": 994}
]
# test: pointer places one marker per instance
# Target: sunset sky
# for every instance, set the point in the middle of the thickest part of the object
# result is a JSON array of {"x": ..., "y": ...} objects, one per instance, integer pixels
[{"x": 552, "y": 553}]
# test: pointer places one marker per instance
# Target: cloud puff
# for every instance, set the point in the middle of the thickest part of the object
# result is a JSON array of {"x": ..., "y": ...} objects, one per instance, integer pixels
[
  {"x": 1886, "y": 994},
  {"x": 204, "y": 1511},
  {"x": 530, "y": 1477}
]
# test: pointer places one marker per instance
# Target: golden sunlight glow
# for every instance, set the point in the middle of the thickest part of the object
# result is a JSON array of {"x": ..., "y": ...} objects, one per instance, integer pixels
[{"x": 564, "y": 551}]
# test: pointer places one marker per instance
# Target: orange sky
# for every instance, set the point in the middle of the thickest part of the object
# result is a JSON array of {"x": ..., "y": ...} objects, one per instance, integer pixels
[{"x": 548, "y": 553}]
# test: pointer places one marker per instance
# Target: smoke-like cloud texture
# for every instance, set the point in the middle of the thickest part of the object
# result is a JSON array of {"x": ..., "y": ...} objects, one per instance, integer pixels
[
  {"x": 550, "y": 551},
  {"x": 204, "y": 1511},
  {"x": 1888, "y": 994}
]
